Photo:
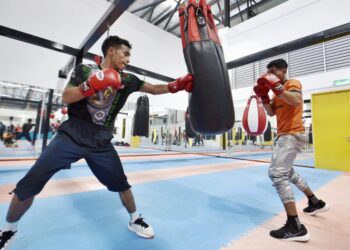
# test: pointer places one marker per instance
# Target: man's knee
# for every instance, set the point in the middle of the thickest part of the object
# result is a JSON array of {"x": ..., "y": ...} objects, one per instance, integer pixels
[{"x": 277, "y": 175}]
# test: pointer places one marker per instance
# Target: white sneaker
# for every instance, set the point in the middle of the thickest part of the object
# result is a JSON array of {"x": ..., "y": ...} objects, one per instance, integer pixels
[
  {"x": 6, "y": 239},
  {"x": 141, "y": 228}
]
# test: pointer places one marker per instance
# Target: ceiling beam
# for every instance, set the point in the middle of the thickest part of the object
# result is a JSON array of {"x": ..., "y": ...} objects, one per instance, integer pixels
[
  {"x": 35, "y": 40},
  {"x": 151, "y": 14},
  {"x": 147, "y": 6},
  {"x": 232, "y": 6},
  {"x": 164, "y": 16},
  {"x": 172, "y": 14},
  {"x": 227, "y": 13},
  {"x": 262, "y": 6},
  {"x": 220, "y": 10},
  {"x": 239, "y": 11}
]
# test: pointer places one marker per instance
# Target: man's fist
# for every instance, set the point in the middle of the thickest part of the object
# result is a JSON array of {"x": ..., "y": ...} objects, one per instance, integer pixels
[
  {"x": 182, "y": 83},
  {"x": 272, "y": 82},
  {"x": 101, "y": 80},
  {"x": 262, "y": 92}
]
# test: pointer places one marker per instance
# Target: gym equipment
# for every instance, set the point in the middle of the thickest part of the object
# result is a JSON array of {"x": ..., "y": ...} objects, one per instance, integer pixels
[
  {"x": 141, "y": 117},
  {"x": 254, "y": 117},
  {"x": 210, "y": 105}
]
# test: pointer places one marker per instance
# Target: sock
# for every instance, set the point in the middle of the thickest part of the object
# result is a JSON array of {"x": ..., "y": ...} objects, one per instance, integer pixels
[
  {"x": 294, "y": 221},
  {"x": 133, "y": 216},
  {"x": 10, "y": 226},
  {"x": 313, "y": 199}
]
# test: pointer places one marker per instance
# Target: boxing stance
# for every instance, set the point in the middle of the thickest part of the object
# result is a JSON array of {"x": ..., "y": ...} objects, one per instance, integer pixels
[
  {"x": 94, "y": 95},
  {"x": 287, "y": 105}
]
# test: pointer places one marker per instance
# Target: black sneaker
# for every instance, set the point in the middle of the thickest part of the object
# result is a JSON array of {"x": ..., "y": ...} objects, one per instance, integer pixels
[
  {"x": 289, "y": 233},
  {"x": 6, "y": 238},
  {"x": 313, "y": 210},
  {"x": 141, "y": 228}
]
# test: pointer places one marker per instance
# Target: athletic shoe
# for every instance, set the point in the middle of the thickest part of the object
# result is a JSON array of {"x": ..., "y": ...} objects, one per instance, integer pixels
[
  {"x": 141, "y": 228},
  {"x": 313, "y": 210},
  {"x": 289, "y": 233},
  {"x": 6, "y": 238}
]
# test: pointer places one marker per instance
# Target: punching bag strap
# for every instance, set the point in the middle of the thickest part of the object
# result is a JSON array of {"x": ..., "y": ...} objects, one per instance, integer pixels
[
  {"x": 202, "y": 24},
  {"x": 186, "y": 24}
]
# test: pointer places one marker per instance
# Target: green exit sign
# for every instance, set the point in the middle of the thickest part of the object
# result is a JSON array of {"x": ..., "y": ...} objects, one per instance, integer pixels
[{"x": 341, "y": 82}]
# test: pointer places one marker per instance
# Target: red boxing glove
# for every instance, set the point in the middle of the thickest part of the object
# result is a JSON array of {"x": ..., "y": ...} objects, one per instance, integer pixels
[
  {"x": 101, "y": 80},
  {"x": 262, "y": 91},
  {"x": 182, "y": 83},
  {"x": 272, "y": 82}
]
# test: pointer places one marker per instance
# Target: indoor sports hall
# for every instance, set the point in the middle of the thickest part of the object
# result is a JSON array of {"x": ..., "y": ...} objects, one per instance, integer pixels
[{"x": 175, "y": 124}]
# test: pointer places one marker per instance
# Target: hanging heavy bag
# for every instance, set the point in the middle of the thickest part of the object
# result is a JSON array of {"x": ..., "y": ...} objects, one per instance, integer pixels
[
  {"x": 141, "y": 118},
  {"x": 310, "y": 134},
  {"x": 254, "y": 117},
  {"x": 211, "y": 106},
  {"x": 238, "y": 135},
  {"x": 268, "y": 132},
  {"x": 189, "y": 130}
]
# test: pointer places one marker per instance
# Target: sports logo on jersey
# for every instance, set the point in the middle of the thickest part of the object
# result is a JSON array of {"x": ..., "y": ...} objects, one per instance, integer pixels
[{"x": 100, "y": 115}]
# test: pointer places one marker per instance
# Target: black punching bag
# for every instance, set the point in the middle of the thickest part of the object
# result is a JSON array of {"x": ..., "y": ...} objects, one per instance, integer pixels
[
  {"x": 211, "y": 106},
  {"x": 268, "y": 132},
  {"x": 189, "y": 131},
  {"x": 141, "y": 118},
  {"x": 310, "y": 135}
]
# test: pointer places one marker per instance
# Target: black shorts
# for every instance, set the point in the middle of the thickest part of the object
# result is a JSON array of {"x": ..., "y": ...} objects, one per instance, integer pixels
[{"x": 60, "y": 153}]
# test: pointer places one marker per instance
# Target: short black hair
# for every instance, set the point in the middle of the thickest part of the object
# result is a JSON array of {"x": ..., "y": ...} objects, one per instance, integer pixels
[
  {"x": 113, "y": 41},
  {"x": 278, "y": 63},
  {"x": 30, "y": 120}
]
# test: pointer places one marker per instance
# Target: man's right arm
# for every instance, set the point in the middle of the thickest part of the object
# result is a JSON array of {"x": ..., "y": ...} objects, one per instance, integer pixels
[
  {"x": 72, "y": 95},
  {"x": 269, "y": 109},
  {"x": 77, "y": 89}
]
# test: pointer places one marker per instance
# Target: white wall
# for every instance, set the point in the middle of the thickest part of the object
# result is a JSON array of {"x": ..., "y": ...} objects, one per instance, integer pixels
[
  {"x": 153, "y": 48},
  {"x": 28, "y": 64},
  {"x": 284, "y": 23}
]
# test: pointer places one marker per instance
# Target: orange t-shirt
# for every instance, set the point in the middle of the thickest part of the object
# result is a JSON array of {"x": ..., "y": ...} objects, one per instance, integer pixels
[{"x": 289, "y": 118}]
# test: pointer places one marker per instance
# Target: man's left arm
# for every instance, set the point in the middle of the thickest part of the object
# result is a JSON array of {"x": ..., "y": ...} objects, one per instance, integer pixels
[
  {"x": 182, "y": 83},
  {"x": 292, "y": 94},
  {"x": 292, "y": 97}
]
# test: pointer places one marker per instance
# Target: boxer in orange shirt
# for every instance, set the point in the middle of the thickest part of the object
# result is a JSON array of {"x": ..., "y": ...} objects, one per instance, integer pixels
[{"x": 287, "y": 105}]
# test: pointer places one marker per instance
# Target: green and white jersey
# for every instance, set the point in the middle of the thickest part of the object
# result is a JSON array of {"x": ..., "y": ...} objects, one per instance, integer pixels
[{"x": 91, "y": 120}]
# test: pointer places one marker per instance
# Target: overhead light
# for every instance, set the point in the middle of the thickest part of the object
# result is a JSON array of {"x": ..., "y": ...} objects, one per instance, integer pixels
[{"x": 57, "y": 46}]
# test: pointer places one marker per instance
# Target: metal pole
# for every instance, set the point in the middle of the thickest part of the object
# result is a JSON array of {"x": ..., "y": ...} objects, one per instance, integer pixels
[
  {"x": 41, "y": 114},
  {"x": 47, "y": 119}
]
